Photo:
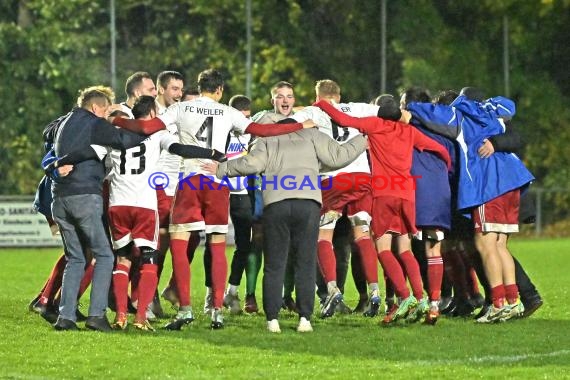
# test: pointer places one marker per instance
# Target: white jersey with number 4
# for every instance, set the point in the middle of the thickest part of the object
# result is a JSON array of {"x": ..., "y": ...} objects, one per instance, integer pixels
[
  {"x": 206, "y": 123},
  {"x": 338, "y": 133},
  {"x": 130, "y": 183}
]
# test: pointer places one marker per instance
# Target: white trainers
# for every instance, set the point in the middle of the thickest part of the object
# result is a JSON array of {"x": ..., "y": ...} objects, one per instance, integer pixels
[
  {"x": 492, "y": 315},
  {"x": 515, "y": 310},
  {"x": 150, "y": 315},
  {"x": 304, "y": 325},
  {"x": 273, "y": 326}
]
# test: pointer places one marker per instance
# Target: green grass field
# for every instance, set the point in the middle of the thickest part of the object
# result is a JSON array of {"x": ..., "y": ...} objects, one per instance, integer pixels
[{"x": 341, "y": 347}]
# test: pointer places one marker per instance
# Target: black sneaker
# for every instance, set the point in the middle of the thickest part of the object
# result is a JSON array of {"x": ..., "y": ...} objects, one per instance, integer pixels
[
  {"x": 329, "y": 306},
  {"x": 463, "y": 309},
  {"x": 531, "y": 306},
  {"x": 98, "y": 324},
  {"x": 444, "y": 303},
  {"x": 34, "y": 305},
  {"x": 49, "y": 313},
  {"x": 361, "y": 306},
  {"x": 80, "y": 316},
  {"x": 183, "y": 317},
  {"x": 482, "y": 312},
  {"x": 450, "y": 307},
  {"x": 477, "y": 301},
  {"x": 63, "y": 324},
  {"x": 342, "y": 308},
  {"x": 289, "y": 304}
]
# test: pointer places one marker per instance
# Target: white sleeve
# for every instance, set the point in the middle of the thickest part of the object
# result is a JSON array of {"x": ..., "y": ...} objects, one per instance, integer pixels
[
  {"x": 363, "y": 109},
  {"x": 238, "y": 120},
  {"x": 166, "y": 139},
  {"x": 319, "y": 117},
  {"x": 171, "y": 115},
  {"x": 101, "y": 151},
  {"x": 302, "y": 115}
]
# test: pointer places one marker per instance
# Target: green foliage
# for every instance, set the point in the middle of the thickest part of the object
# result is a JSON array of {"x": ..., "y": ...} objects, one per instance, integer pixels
[{"x": 49, "y": 49}]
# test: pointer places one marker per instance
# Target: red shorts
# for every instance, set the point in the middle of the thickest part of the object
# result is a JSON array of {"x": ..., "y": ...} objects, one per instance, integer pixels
[
  {"x": 499, "y": 215},
  {"x": 391, "y": 214},
  {"x": 129, "y": 223},
  {"x": 198, "y": 207},
  {"x": 352, "y": 190},
  {"x": 164, "y": 204}
]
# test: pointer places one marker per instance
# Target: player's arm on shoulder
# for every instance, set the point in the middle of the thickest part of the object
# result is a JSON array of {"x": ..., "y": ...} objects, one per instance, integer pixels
[
  {"x": 103, "y": 133},
  {"x": 510, "y": 141},
  {"x": 193, "y": 151},
  {"x": 423, "y": 142},
  {"x": 252, "y": 163},
  {"x": 438, "y": 118}
]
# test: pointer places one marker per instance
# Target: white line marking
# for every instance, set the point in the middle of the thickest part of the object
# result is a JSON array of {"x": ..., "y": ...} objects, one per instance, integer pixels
[{"x": 491, "y": 359}]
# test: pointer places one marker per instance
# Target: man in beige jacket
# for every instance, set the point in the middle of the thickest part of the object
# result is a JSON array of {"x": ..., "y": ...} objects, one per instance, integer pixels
[{"x": 289, "y": 166}]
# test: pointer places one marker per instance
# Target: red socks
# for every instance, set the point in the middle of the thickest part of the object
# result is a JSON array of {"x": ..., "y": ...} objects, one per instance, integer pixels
[
  {"x": 147, "y": 287},
  {"x": 326, "y": 260},
  {"x": 181, "y": 269},
  {"x": 121, "y": 287},
  {"x": 435, "y": 277},
  {"x": 54, "y": 281},
  {"x": 368, "y": 259},
  {"x": 512, "y": 293},
  {"x": 394, "y": 272},
  {"x": 413, "y": 272},
  {"x": 498, "y": 296},
  {"x": 219, "y": 272}
]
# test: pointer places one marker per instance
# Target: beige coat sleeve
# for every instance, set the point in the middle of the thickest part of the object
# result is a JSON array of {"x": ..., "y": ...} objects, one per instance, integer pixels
[
  {"x": 333, "y": 155},
  {"x": 252, "y": 163}
]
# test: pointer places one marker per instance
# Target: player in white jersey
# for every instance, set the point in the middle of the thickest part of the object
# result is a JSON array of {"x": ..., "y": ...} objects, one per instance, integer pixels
[
  {"x": 137, "y": 85},
  {"x": 133, "y": 212},
  {"x": 169, "y": 87},
  {"x": 199, "y": 202},
  {"x": 350, "y": 188}
]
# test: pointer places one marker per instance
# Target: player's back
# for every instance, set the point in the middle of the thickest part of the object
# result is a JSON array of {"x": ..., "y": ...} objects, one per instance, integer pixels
[
  {"x": 339, "y": 133},
  {"x": 205, "y": 123},
  {"x": 130, "y": 183}
]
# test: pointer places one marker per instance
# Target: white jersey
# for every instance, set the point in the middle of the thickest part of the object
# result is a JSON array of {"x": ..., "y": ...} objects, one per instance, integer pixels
[
  {"x": 237, "y": 148},
  {"x": 133, "y": 181},
  {"x": 338, "y": 133},
  {"x": 169, "y": 163},
  {"x": 206, "y": 123},
  {"x": 126, "y": 109}
]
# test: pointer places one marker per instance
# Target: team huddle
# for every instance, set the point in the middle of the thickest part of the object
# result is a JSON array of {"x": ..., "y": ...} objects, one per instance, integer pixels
[{"x": 428, "y": 188}]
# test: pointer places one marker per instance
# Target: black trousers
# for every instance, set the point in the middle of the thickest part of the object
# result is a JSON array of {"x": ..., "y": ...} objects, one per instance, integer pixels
[
  {"x": 241, "y": 214},
  {"x": 291, "y": 223}
]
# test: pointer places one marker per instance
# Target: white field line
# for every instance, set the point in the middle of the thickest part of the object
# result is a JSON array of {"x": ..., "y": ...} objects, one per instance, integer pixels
[{"x": 490, "y": 359}]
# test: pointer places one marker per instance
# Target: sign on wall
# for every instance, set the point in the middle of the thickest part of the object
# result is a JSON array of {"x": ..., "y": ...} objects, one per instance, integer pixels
[{"x": 22, "y": 226}]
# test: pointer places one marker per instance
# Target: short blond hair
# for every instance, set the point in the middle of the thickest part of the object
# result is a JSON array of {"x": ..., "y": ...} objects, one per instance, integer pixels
[
  {"x": 95, "y": 94},
  {"x": 279, "y": 85},
  {"x": 327, "y": 88}
]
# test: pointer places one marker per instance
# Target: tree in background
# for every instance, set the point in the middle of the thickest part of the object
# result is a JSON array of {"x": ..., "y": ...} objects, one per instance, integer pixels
[{"x": 49, "y": 49}]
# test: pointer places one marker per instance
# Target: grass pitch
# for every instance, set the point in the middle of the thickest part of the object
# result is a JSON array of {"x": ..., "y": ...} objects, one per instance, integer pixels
[{"x": 344, "y": 347}]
